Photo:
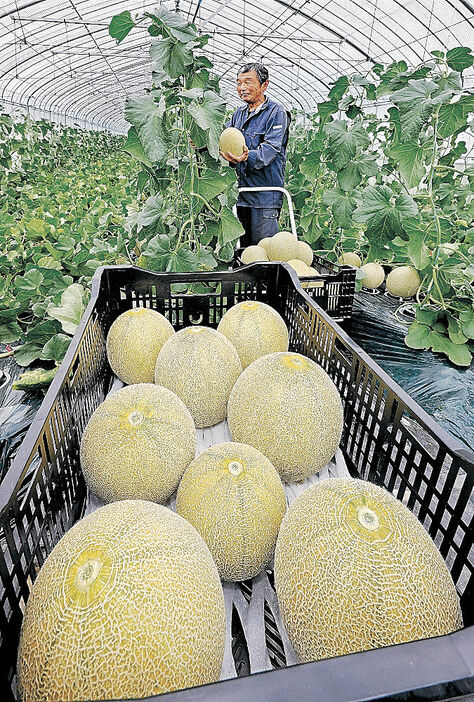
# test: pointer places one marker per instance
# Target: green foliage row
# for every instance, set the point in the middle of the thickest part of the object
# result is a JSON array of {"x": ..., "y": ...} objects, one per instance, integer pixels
[
  {"x": 65, "y": 201},
  {"x": 394, "y": 183}
]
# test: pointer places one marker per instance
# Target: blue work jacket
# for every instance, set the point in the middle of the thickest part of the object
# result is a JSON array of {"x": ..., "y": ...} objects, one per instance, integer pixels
[{"x": 266, "y": 136}]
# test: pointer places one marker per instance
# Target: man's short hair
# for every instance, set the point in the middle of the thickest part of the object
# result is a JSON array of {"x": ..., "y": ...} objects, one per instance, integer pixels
[{"x": 259, "y": 68}]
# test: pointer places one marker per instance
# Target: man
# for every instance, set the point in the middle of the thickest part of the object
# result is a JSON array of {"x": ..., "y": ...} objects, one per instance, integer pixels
[{"x": 265, "y": 125}]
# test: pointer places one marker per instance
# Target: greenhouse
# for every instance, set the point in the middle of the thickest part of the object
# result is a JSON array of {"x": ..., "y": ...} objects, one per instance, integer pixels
[{"x": 236, "y": 350}]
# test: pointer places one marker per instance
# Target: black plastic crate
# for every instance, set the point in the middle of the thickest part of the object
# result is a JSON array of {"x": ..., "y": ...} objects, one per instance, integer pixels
[
  {"x": 387, "y": 439},
  {"x": 333, "y": 289}
]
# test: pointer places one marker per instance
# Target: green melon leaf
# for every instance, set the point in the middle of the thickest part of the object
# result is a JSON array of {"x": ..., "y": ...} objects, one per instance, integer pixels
[
  {"x": 30, "y": 281},
  {"x": 183, "y": 261},
  {"x": 349, "y": 177},
  {"x": 467, "y": 323},
  {"x": 55, "y": 349},
  {"x": 10, "y": 330},
  {"x": 311, "y": 165},
  {"x": 415, "y": 105},
  {"x": 451, "y": 118},
  {"x": 342, "y": 205},
  {"x": 459, "y": 354},
  {"x": 147, "y": 117},
  {"x": 173, "y": 24},
  {"x": 41, "y": 332},
  {"x": 419, "y": 336},
  {"x": 209, "y": 114},
  {"x": 157, "y": 253},
  {"x": 409, "y": 157},
  {"x": 170, "y": 56},
  {"x": 134, "y": 147},
  {"x": 383, "y": 211},
  {"x": 425, "y": 316},
  {"x": 454, "y": 331},
  {"x": 339, "y": 88},
  {"x": 151, "y": 212},
  {"x": 26, "y": 354},
  {"x": 121, "y": 25},
  {"x": 459, "y": 58},
  {"x": 69, "y": 312}
]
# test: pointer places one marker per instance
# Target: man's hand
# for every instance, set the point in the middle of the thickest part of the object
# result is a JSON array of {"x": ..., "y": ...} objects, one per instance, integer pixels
[{"x": 232, "y": 158}]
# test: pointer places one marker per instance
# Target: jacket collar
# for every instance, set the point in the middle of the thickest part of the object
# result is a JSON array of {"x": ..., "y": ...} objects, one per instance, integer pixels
[{"x": 245, "y": 110}]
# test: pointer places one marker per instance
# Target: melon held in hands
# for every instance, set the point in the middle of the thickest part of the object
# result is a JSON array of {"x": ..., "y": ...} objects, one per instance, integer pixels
[
  {"x": 137, "y": 444},
  {"x": 356, "y": 570},
  {"x": 134, "y": 342},
  {"x": 286, "y": 406},
  {"x": 128, "y": 604},
  {"x": 232, "y": 140},
  {"x": 201, "y": 366},
  {"x": 233, "y": 496}
]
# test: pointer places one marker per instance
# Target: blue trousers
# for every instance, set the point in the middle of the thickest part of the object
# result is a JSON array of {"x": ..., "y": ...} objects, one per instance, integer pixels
[{"x": 258, "y": 223}]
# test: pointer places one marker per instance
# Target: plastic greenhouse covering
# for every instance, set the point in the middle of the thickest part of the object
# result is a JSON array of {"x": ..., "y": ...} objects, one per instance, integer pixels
[{"x": 58, "y": 60}]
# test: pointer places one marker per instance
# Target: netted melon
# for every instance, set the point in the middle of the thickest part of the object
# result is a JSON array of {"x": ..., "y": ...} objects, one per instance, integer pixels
[
  {"x": 403, "y": 281},
  {"x": 287, "y": 406},
  {"x": 233, "y": 496},
  {"x": 232, "y": 140},
  {"x": 251, "y": 254},
  {"x": 350, "y": 258},
  {"x": 134, "y": 342},
  {"x": 283, "y": 246},
  {"x": 137, "y": 444},
  {"x": 355, "y": 570},
  {"x": 374, "y": 275},
  {"x": 298, "y": 266},
  {"x": 201, "y": 366},
  {"x": 128, "y": 604},
  {"x": 305, "y": 253},
  {"x": 310, "y": 271},
  {"x": 264, "y": 243},
  {"x": 255, "y": 329}
]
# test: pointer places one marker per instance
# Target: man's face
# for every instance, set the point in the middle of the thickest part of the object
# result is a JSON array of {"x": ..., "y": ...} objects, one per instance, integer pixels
[{"x": 249, "y": 87}]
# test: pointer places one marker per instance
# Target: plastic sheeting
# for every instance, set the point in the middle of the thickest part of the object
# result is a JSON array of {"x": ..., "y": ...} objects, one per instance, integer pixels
[
  {"x": 444, "y": 391},
  {"x": 17, "y": 410}
]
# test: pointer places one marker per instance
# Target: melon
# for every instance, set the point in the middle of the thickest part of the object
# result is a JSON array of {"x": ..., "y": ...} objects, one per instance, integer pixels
[
  {"x": 373, "y": 275},
  {"x": 137, "y": 444},
  {"x": 233, "y": 496},
  {"x": 305, "y": 253},
  {"x": 255, "y": 329},
  {"x": 355, "y": 570},
  {"x": 310, "y": 271},
  {"x": 283, "y": 246},
  {"x": 403, "y": 281},
  {"x": 298, "y": 266},
  {"x": 349, "y": 258},
  {"x": 134, "y": 342},
  {"x": 232, "y": 140},
  {"x": 287, "y": 407},
  {"x": 251, "y": 254},
  {"x": 201, "y": 366},
  {"x": 265, "y": 242},
  {"x": 128, "y": 604}
]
